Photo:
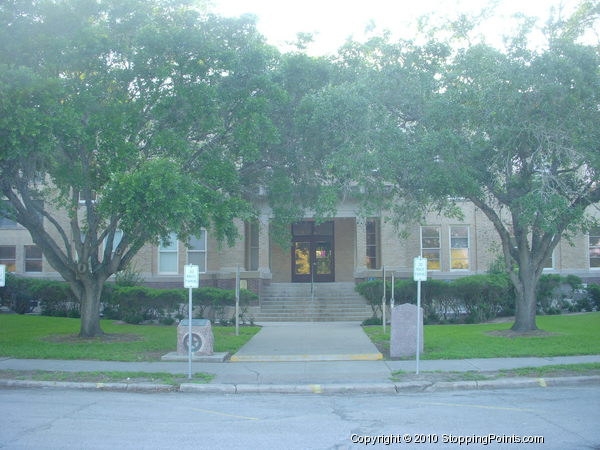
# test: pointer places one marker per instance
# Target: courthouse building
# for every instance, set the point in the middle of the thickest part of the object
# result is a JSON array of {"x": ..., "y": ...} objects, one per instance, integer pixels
[{"x": 323, "y": 261}]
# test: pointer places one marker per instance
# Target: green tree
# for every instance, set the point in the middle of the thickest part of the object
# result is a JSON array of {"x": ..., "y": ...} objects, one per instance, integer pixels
[
  {"x": 516, "y": 132},
  {"x": 122, "y": 121}
]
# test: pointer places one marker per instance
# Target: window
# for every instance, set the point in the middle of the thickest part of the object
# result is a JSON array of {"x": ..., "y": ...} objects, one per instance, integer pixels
[
  {"x": 459, "y": 247},
  {"x": 5, "y": 221},
  {"x": 548, "y": 263},
  {"x": 196, "y": 252},
  {"x": 8, "y": 257},
  {"x": 595, "y": 248},
  {"x": 116, "y": 239},
  {"x": 430, "y": 246},
  {"x": 372, "y": 243},
  {"x": 33, "y": 258},
  {"x": 93, "y": 198},
  {"x": 168, "y": 256},
  {"x": 252, "y": 231}
]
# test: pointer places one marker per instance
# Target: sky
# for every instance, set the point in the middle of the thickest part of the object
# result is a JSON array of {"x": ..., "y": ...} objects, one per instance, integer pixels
[{"x": 333, "y": 21}]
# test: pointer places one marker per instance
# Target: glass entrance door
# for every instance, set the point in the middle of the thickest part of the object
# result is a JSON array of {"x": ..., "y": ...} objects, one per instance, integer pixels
[{"x": 312, "y": 253}]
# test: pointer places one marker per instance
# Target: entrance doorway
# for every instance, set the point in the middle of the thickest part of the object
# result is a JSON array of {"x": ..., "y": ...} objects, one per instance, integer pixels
[{"x": 313, "y": 252}]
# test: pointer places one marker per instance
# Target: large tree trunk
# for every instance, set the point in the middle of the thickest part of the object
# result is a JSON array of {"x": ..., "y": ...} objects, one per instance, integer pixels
[
  {"x": 89, "y": 293},
  {"x": 526, "y": 301}
]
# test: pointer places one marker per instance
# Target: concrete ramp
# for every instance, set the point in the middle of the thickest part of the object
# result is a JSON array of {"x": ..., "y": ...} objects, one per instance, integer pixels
[{"x": 308, "y": 341}]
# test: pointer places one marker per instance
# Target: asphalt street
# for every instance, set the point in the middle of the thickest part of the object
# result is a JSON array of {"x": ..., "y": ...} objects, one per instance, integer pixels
[{"x": 565, "y": 418}]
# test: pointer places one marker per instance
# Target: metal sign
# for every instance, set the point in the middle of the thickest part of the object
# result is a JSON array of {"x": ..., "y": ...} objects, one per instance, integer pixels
[
  {"x": 191, "y": 276},
  {"x": 420, "y": 269},
  {"x": 191, "y": 280},
  {"x": 2, "y": 275}
]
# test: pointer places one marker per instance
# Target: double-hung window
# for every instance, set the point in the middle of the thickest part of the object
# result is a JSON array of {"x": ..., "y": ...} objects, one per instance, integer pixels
[
  {"x": 33, "y": 258},
  {"x": 430, "y": 246},
  {"x": 116, "y": 240},
  {"x": 168, "y": 255},
  {"x": 459, "y": 247},
  {"x": 372, "y": 228},
  {"x": 196, "y": 251},
  {"x": 8, "y": 257},
  {"x": 252, "y": 246},
  {"x": 549, "y": 262},
  {"x": 594, "y": 248}
]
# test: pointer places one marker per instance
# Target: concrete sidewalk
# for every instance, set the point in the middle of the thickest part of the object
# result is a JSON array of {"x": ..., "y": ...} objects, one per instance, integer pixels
[
  {"x": 295, "y": 372},
  {"x": 308, "y": 341}
]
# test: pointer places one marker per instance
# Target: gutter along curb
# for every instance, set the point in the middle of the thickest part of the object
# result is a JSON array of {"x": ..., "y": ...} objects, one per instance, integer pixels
[{"x": 327, "y": 388}]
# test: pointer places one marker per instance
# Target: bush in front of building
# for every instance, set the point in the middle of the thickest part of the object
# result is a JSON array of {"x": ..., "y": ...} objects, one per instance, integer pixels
[
  {"x": 131, "y": 304},
  {"x": 137, "y": 304},
  {"x": 594, "y": 295},
  {"x": 479, "y": 298},
  {"x": 471, "y": 299},
  {"x": 484, "y": 297},
  {"x": 50, "y": 298}
]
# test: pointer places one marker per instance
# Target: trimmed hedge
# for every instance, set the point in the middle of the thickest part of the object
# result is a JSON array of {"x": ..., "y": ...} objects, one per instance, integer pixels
[
  {"x": 132, "y": 304},
  {"x": 478, "y": 298}
]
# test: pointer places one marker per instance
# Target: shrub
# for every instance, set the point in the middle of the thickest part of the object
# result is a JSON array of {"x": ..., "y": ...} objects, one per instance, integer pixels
[
  {"x": 372, "y": 291},
  {"x": 552, "y": 289},
  {"x": 128, "y": 277},
  {"x": 135, "y": 304},
  {"x": 372, "y": 321},
  {"x": 55, "y": 297},
  {"x": 482, "y": 297},
  {"x": 594, "y": 295}
]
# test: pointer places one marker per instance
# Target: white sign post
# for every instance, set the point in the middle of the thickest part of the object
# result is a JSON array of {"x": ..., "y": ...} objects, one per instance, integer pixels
[
  {"x": 2, "y": 275},
  {"x": 419, "y": 274},
  {"x": 191, "y": 280},
  {"x": 383, "y": 300},
  {"x": 237, "y": 301}
]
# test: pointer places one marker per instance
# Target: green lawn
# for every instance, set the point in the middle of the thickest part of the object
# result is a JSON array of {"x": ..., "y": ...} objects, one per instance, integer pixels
[
  {"x": 50, "y": 338},
  {"x": 575, "y": 335}
]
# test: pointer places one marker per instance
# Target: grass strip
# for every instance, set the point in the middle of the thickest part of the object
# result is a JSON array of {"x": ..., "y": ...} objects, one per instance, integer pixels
[
  {"x": 106, "y": 377},
  {"x": 549, "y": 371}
]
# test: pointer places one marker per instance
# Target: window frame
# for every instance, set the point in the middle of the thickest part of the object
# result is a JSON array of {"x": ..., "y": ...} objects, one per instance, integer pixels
[
  {"x": 439, "y": 249},
  {"x": 459, "y": 248},
  {"x": 175, "y": 242},
  {"x": 116, "y": 242},
  {"x": 205, "y": 251},
  {"x": 553, "y": 262},
  {"x": 252, "y": 247},
  {"x": 590, "y": 246},
  {"x": 26, "y": 259},
  {"x": 376, "y": 222},
  {"x": 4, "y": 261}
]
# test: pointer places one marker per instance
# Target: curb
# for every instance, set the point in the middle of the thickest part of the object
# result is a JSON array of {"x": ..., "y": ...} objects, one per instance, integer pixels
[
  {"x": 333, "y": 388},
  {"x": 118, "y": 387}
]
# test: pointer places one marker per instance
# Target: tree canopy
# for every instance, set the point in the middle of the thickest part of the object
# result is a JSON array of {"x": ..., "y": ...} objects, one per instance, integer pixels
[
  {"x": 123, "y": 121},
  {"x": 515, "y": 131}
]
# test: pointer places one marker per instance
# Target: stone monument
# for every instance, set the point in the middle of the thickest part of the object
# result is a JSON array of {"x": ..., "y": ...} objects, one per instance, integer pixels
[
  {"x": 403, "y": 337},
  {"x": 202, "y": 338}
]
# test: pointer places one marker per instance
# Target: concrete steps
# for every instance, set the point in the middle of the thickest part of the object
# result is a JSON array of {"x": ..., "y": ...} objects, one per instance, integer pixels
[{"x": 294, "y": 302}]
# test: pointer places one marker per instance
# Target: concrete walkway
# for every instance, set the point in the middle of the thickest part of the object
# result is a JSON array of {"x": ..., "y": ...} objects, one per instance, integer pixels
[{"x": 308, "y": 341}]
